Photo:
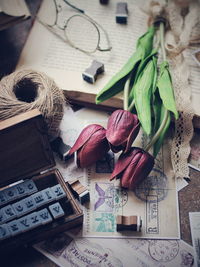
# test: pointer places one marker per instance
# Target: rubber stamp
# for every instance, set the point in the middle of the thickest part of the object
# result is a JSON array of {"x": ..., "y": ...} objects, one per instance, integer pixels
[
  {"x": 60, "y": 148},
  {"x": 129, "y": 223},
  {"x": 79, "y": 190},
  {"x": 122, "y": 13},
  {"x": 91, "y": 73}
]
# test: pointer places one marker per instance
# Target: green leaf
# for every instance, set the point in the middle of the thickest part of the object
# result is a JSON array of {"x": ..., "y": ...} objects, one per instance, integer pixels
[
  {"x": 146, "y": 42},
  {"x": 141, "y": 67},
  {"x": 159, "y": 111},
  {"x": 165, "y": 88},
  {"x": 116, "y": 84},
  {"x": 143, "y": 95}
]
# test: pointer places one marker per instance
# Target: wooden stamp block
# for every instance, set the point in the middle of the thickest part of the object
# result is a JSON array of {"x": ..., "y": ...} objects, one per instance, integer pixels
[
  {"x": 34, "y": 220},
  {"x": 29, "y": 203},
  {"x": 21, "y": 190},
  {"x": 39, "y": 199},
  {"x": 30, "y": 187},
  {"x": 14, "y": 227},
  {"x": 4, "y": 232},
  {"x": 45, "y": 216},
  {"x": 49, "y": 195},
  {"x": 9, "y": 213},
  {"x": 56, "y": 210},
  {"x": 122, "y": 13},
  {"x": 2, "y": 217},
  {"x": 129, "y": 223},
  {"x": 3, "y": 198},
  {"x": 79, "y": 190},
  {"x": 20, "y": 208},
  {"x": 58, "y": 191},
  {"x": 11, "y": 193}
]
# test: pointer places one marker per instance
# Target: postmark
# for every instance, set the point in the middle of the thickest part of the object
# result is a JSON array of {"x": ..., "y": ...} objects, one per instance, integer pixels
[
  {"x": 82, "y": 252},
  {"x": 163, "y": 250},
  {"x": 106, "y": 164},
  {"x": 155, "y": 184},
  {"x": 187, "y": 258}
]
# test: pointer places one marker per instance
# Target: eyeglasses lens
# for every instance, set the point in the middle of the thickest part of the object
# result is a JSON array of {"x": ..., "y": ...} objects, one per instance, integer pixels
[{"x": 82, "y": 33}]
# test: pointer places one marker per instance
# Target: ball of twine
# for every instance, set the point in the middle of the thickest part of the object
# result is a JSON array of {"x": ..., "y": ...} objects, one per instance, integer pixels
[{"x": 25, "y": 90}]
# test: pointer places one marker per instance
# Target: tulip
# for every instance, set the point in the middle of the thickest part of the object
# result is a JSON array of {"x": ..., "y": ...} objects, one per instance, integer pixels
[
  {"x": 90, "y": 146},
  {"x": 122, "y": 129},
  {"x": 133, "y": 167}
]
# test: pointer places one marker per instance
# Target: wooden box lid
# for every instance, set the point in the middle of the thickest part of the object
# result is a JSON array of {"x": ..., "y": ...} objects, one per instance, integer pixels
[{"x": 24, "y": 147}]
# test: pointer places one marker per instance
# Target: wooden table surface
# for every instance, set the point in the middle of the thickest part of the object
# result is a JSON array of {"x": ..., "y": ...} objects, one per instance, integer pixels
[{"x": 11, "y": 44}]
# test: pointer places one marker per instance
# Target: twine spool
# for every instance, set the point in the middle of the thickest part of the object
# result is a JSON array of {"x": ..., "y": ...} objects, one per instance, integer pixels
[{"x": 25, "y": 90}]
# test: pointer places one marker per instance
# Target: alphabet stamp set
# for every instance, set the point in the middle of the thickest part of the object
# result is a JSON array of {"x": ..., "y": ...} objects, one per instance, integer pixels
[{"x": 35, "y": 201}]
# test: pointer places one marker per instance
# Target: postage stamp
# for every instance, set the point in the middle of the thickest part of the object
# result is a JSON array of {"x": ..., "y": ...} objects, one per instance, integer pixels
[
  {"x": 104, "y": 222},
  {"x": 109, "y": 198}
]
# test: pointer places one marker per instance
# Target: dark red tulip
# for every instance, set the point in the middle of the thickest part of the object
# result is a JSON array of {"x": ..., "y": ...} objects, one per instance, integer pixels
[
  {"x": 133, "y": 167},
  {"x": 91, "y": 145},
  {"x": 122, "y": 129}
]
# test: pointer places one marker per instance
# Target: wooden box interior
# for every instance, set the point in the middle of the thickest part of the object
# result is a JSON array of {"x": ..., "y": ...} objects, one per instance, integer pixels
[{"x": 25, "y": 152}]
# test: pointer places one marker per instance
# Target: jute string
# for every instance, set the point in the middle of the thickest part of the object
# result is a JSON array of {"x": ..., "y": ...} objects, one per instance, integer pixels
[{"x": 25, "y": 90}]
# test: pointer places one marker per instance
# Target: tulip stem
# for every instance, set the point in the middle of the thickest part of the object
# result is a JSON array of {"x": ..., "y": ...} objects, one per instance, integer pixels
[
  {"x": 126, "y": 92},
  {"x": 131, "y": 106},
  {"x": 166, "y": 114},
  {"x": 159, "y": 131},
  {"x": 162, "y": 32}
]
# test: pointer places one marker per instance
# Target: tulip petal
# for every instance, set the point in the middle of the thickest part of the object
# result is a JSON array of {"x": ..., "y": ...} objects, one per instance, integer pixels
[
  {"x": 123, "y": 161},
  {"x": 122, "y": 127},
  {"x": 141, "y": 169},
  {"x": 96, "y": 147},
  {"x": 130, "y": 171},
  {"x": 84, "y": 136},
  {"x": 132, "y": 136}
]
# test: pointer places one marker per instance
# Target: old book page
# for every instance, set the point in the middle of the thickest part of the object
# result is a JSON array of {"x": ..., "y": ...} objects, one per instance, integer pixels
[{"x": 44, "y": 51}]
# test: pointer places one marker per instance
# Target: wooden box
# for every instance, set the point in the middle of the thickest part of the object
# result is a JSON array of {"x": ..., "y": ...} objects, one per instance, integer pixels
[{"x": 25, "y": 153}]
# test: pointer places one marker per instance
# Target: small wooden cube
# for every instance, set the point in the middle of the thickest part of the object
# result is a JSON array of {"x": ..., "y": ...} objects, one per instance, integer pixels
[
  {"x": 129, "y": 223},
  {"x": 80, "y": 191}
]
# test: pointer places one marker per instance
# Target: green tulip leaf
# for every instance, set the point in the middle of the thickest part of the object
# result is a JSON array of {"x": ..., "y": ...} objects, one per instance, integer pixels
[
  {"x": 160, "y": 113},
  {"x": 165, "y": 88},
  {"x": 143, "y": 94},
  {"x": 141, "y": 67},
  {"x": 116, "y": 84}
]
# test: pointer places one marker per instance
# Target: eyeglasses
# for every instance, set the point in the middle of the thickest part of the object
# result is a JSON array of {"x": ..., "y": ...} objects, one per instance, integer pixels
[{"x": 79, "y": 30}]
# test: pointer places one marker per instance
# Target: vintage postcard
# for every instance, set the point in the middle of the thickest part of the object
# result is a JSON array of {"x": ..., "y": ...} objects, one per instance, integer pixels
[
  {"x": 155, "y": 200},
  {"x": 65, "y": 250}
]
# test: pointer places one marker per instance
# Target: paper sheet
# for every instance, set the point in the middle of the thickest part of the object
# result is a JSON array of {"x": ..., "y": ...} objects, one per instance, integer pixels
[
  {"x": 195, "y": 232},
  {"x": 67, "y": 251}
]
